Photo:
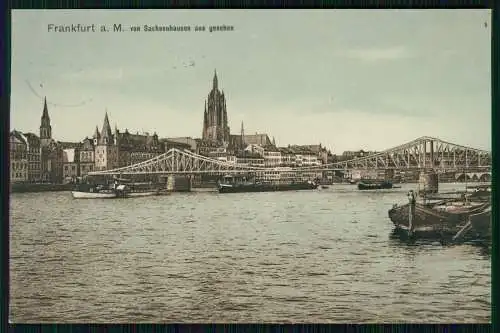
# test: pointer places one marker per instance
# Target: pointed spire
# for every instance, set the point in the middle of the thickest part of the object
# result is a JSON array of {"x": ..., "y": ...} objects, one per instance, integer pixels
[
  {"x": 274, "y": 142},
  {"x": 45, "y": 113},
  {"x": 215, "y": 80},
  {"x": 97, "y": 135},
  {"x": 106, "y": 129}
]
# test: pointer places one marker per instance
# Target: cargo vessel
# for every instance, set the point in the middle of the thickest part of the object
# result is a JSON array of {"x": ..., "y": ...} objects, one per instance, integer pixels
[{"x": 233, "y": 185}]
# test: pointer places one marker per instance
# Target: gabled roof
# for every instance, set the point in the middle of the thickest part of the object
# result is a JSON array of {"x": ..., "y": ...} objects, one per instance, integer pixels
[
  {"x": 18, "y": 136},
  {"x": 32, "y": 138}
]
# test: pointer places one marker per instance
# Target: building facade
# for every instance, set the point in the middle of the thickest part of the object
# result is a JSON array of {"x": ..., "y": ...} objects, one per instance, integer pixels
[
  {"x": 34, "y": 158},
  {"x": 86, "y": 159},
  {"x": 71, "y": 167},
  {"x": 18, "y": 157},
  {"x": 119, "y": 149},
  {"x": 106, "y": 152}
]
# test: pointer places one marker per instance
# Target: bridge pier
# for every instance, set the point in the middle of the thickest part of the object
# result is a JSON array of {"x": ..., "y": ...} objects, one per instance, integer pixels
[
  {"x": 428, "y": 182},
  {"x": 179, "y": 183}
]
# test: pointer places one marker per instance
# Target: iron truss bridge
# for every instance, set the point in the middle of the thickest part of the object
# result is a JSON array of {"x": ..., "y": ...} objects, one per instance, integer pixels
[{"x": 421, "y": 154}]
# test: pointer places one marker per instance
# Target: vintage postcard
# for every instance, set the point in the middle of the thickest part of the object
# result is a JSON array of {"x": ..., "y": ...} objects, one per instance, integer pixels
[{"x": 305, "y": 166}]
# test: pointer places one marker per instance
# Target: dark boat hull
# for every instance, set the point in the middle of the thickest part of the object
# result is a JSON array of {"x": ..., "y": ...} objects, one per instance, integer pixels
[
  {"x": 374, "y": 186},
  {"x": 481, "y": 224},
  {"x": 430, "y": 223},
  {"x": 266, "y": 188}
]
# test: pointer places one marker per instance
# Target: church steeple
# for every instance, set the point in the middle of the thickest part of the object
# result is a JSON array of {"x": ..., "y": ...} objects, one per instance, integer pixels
[
  {"x": 106, "y": 134},
  {"x": 215, "y": 85},
  {"x": 45, "y": 128},
  {"x": 96, "y": 133}
]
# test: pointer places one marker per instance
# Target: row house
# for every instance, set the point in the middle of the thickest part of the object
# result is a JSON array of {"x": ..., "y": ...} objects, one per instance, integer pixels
[
  {"x": 18, "y": 157},
  {"x": 34, "y": 150},
  {"x": 71, "y": 167},
  {"x": 321, "y": 152},
  {"x": 136, "y": 148},
  {"x": 272, "y": 158},
  {"x": 249, "y": 159},
  {"x": 25, "y": 154},
  {"x": 52, "y": 159},
  {"x": 86, "y": 157}
]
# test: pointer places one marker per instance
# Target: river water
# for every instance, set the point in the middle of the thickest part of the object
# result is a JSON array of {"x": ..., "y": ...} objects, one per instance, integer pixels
[{"x": 309, "y": 256}]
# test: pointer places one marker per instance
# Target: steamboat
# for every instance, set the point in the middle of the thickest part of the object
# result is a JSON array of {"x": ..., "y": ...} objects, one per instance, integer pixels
[{"x": 121, "y": 188}]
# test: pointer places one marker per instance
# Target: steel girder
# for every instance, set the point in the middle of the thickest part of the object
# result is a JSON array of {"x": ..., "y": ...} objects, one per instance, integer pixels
[
  {"x": 419, "y": 154},
  {"x": 422, "y": 153},
  {"x": 177, "y": 161}
]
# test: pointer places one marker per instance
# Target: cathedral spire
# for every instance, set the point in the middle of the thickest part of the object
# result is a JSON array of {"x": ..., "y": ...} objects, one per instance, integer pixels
[
  {"x": 274, "y": 142},
  {"x": 215, "y": 86}
]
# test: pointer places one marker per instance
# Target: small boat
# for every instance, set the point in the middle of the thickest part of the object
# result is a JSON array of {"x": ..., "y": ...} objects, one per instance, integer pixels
[
  {"x": 90, "y": 191},
  {"x": 94, "y": 195},
  {"x": 87, "y": 191},
  {"x": 374, "y": 185},
  {"x": 324, "y": 187}
]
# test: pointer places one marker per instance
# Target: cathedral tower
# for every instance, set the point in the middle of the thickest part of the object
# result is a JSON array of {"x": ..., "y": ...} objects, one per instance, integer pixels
[{"x": 215, "y": 127}]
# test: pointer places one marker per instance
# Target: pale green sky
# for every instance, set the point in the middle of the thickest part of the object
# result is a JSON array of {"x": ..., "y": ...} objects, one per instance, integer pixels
[{"x": 348, "y": 79}]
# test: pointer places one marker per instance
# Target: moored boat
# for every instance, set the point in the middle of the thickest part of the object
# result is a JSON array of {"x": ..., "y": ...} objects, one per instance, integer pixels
[
  {"x": 141, "y": 194},
  {"x": 262, "y": 187},
  {"x": 374, "y": 185},
  {"x": 234, "y": 185},
  {"x": 97, "y": 191},
  {"x": 92, "y": 195},
  {"x": 88, "y": 191},
  {"x": 444, "y": 221}
]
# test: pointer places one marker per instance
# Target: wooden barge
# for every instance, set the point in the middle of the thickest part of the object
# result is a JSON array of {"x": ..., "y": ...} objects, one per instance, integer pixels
[{"x": 447, "y": 219}]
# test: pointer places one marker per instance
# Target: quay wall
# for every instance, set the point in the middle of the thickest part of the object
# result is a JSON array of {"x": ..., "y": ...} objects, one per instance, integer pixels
[{"x": 28, "y": 187}]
